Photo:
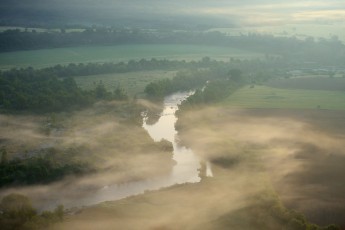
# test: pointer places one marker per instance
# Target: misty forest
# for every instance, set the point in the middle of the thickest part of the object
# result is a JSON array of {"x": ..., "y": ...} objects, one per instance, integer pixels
[{"x": 148, "y": 114}]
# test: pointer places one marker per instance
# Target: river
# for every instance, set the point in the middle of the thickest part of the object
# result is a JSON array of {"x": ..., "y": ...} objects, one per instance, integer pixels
[
  {"x": 186, "y": 170},
  {"x": 187, "y": 163}
]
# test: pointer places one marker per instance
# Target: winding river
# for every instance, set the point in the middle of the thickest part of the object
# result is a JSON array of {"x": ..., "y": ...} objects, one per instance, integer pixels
[{"x": 184, "y": 171}]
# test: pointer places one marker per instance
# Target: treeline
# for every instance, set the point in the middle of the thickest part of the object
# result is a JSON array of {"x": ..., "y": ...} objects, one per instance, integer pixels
[
  {"x": 40, "y": 169},
  {"x": 53, "y": 88},
  {"x": 184, "y": 80},
  {"x": 269, "y": 211},
  {"x": 42, "y": 91},
  {"x": 216, "y": 89},
  {"x": 322, "y": 51},
  {"x": 211, "y": 85},
  {"x": 15, "y": 39},
  {"x": 85, "y": 69},
  {"x": 82, "y": 69},
  {"x": 17, "y": 213}
]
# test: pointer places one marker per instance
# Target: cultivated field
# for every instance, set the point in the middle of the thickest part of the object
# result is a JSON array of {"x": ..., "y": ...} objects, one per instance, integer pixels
[
  {"x": 49, "y": 57},
  {"x": 132, "y": 82},
  {"x": 269, "y": 97},
  {"x": 311, "y": 82}
]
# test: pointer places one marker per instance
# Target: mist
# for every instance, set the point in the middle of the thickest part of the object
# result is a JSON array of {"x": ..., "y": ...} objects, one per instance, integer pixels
[
  {"x": 114, "y": 150},
  {"x": 299, "y": 151},
  {"x": 256, "y": 156}
]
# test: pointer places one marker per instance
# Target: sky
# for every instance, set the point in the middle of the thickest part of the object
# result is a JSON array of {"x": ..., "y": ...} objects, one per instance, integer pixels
[{"x": 215, "y": 12}]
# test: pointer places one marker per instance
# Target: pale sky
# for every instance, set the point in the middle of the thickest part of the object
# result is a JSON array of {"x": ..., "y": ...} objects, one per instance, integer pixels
[{"x": 242, "y": 13}]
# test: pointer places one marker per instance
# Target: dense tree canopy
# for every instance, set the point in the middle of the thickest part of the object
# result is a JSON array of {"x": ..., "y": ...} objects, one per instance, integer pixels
[
  {"x": 17, "y": 212},
  {"x": 43, "y": 91}
]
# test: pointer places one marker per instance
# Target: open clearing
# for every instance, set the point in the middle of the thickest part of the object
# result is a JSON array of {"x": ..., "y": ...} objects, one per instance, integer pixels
[
  {"x": 132, "y": 82},
  {"x": 48, "y": 57},
  {"x": 268, "y": 97}
]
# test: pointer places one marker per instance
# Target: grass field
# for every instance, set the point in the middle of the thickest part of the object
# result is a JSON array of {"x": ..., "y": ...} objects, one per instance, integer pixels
[
  {"x": 268, "y": 97},
  {"x": 310, "y": 83},
  {"x": 133, "y": 82},
  {"x": 49, "y": 57}
]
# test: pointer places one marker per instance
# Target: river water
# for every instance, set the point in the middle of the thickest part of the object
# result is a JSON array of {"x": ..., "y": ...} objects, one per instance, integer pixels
[
  {"x": 187, "y": 163},
  {"x": 184, "y": 171}
]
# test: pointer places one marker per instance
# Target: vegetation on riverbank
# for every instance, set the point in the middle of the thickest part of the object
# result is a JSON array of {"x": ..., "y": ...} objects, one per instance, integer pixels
[
  {"x": 16, "y": 212},
  {"x": 230, "y": 136},
  {"x": 273, "y": 144},
  {"x": 49, "y": 167},
  {"x": 36, "y": 91}
]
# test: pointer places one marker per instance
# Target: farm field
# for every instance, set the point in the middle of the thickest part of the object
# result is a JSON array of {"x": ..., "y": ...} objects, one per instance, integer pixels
[
  {"x": 312, "y": 83},
  {"x": 48, "y": 57},
  {"x": 132, "y": 83},
  {"x": 269, "y": 97}
]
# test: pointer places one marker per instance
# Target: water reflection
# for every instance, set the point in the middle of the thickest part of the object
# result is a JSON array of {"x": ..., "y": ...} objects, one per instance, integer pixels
[
  {"x": 186, "y": 169},
  {"x": 187, "y": 163}
]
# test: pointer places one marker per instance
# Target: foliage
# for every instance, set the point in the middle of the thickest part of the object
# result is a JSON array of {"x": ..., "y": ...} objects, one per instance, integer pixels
[
  {"x": 82, "y": 69},
  {"x": 183, "y": 81},
  {"x": 16, "y": 212},
  {"x": 27, "y": 90},
  {"x": 42, "y": 91},
  {"x": 216, "y": 89},
  {"x": 40, "y": 169},
  {"x": 4, "y": 157},
  {"x": 267, "y": 212}
]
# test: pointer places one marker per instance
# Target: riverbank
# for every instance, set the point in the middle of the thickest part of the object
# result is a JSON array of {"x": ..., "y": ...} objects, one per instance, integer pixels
[
  {"x": 107, "y": 137},
  {"x": 251, "y": 154},
  {"x": 299, "y": 150}
]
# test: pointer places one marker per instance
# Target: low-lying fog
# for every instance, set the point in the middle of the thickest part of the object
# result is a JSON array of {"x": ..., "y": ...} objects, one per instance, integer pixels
[
  {"x": 302, "y": 152},
  {"x": 105, "y": 138},
  {"x": 255, "y": 155}
]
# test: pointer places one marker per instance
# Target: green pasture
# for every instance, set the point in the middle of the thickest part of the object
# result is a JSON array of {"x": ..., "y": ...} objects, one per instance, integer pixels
[
  {"x": 48, "y": 57},
  {"x": 133, "y": 82},
  {"x": 310, "y": 82},
  {"x": 268, "y": 97}
]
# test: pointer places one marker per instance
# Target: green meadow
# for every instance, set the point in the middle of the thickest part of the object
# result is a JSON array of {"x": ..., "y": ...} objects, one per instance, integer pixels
[
  {"x": 269, "y": 97},
  {"x": 48, "y": 57},
  {"x": 132, "y": 82}
]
